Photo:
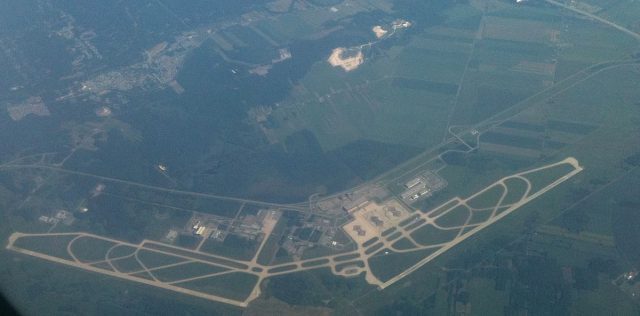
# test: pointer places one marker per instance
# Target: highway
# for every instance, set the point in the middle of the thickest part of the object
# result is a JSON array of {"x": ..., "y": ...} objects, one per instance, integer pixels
[
  {"x": 14, "y": 166},
  {"x": 597, "y": 18}
]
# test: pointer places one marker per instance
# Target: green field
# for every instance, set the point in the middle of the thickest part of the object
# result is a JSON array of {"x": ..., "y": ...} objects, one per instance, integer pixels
[
  {"x": 542, "y": 178},
  {"x": 187, "y": 270},
  {"x": 385, "y": 266},
  {"x": 429, "y": 235},
  {"x": 152, "y": 259},
  {"x": 479, "y": 217},
  {"x": 122, "y": 251},
  {"x": 455, "y": 217},
  {"x": 516, "y": 190},
  {"x": 234, "y": 285},
  {"x": 272, "y": 245},
  {"x": 127, "y": 265},
  {"x": 402, "y": 244},
  {"x": 52, "y": 246},
  {"x": 489, "y": 198},
  {"x": 88, "y": 249},
  {"x": 233, "y": 246}
]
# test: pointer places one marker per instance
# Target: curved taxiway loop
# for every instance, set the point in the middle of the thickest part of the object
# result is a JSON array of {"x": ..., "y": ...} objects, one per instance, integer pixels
[{"x": 361, "y": 255}]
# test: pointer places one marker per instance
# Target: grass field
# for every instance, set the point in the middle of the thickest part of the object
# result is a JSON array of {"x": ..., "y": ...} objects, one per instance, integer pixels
[
  {"x": 478, "y": 217},
  {"x": 52, "y": 246},
  {"x": 542, "y": 178},
  {"x": 455, "y": 217},
  {"x": 127, "y": 265},
  {"x": 153, "y": 259},
  {"x": 402, "y": 244},
  {"x": 489, "y": 198},
  {"x": 385, "y": 266},
  {"x": 485, "y": 297},
  {"x": 517, "y": 189},
  {"x": 429, "y": 235},
  {"x": 232, "y": 247},
  {"x": 600, "y": 149},
  {"x": 234, "y": 285},
  {"x": 272, "y": 245},
  {"x": 121, "y": 251},
  {"x": 417, "y": 84},
  {"x": 184, "y": 271},
  {"x": 90, "y": 249}
]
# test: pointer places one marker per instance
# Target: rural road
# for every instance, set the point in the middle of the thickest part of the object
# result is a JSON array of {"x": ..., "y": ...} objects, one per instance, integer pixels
[{"x": 597, "y": 18}]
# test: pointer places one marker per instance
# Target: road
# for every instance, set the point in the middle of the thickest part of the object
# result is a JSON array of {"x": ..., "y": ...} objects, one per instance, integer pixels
[
  {"x": 597, "y": 18},
  {"x": 389, "y": 176},
  {"x": 14, "y": 166},
  {"x": 435, "y": 152}
]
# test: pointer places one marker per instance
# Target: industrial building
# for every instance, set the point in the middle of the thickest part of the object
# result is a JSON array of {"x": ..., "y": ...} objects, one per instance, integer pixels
[{"x": 422, "y": 186}]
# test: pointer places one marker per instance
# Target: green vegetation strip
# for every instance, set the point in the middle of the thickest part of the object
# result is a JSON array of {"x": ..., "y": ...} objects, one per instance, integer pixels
[
  {"x": 512, "y": 140},
  {"x": 370, "y": 242},
  {"x": 456, "y": 217},
  {"x": 478, "y": 217},
  {"x": 283, "y": 268},
  {"x": 185, "y": 271},
  {"x": 425, "y": 85},
  {"x": 314, "y": 263},
  {"x": 406, "y": 222},
  {"x": 403, "y": 244},
  {"x": 121, "y": 251},
  {"x": 388, "y": 231},
  {"x": 152, "y": 259},
  {"x": 195, "y": 255},
  {"x": 385, "y": 267},
  {"x": 342, "y": 266},
  {"x": 374, "y": 248},
  {"x": 542, "y": 178},
  {"x": 55, "y": 246},
  {"x": 87, "y": 249},
  {"x": 143, "y": 275},
  {"x": 571, "y": 127},
  {"x": 127, "y": 265},
  {"x": 516, "y": 190},
  {"x": 395, "y": 236},
  {"x": 236, "y": 285},
  {"x": 346, "y": 257},
  {"x": 415, "y": 225},
  {"x": 488, "y": 198},
  {"x": 430, "y": 235},
  {"x": 271, "y": 245},
  {"x": 442, "y": 208}
]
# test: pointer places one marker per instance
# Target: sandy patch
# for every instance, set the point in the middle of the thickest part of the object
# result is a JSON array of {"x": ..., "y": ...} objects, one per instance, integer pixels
[
  {"x": 379, "y": 31},
  {"x": 156, "y": 50},
  {"x": 103, "y": 111},
  {"x": 33, "y": 105},
  {"x": 337, "y": 59},
  {"x": 176, "y": 86},
  {"x": 262, "y": 70}
]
